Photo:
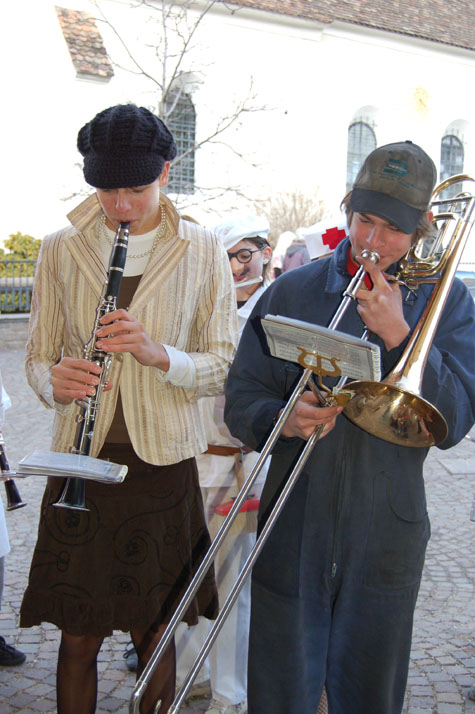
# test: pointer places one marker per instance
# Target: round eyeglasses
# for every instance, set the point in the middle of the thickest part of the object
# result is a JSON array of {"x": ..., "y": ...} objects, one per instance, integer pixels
[{"x": 244, "y": 255}]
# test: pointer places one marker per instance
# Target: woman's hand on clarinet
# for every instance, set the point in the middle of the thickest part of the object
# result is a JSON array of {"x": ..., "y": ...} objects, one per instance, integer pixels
[
  {"x": 307, "y": 415},
  {"x": 75, "y": 379},
  {"x": 122, "y": 332}
]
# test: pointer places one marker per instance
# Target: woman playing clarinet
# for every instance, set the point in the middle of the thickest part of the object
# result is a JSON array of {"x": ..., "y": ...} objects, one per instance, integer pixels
[{"x": 124, "y": 563}]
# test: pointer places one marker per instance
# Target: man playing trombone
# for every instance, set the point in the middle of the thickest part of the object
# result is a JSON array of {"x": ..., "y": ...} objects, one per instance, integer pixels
[{"x": 335, "y": 587}]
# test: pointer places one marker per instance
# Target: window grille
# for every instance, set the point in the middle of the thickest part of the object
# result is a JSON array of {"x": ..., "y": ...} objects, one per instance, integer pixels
[
  {"x": 361, "y": 142},
  {"x": 451, "y": 162},
  {"x": 181, "y": 120}
]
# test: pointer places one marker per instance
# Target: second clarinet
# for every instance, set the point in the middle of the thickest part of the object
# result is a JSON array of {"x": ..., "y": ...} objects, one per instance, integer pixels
[
  {"x": 13, "y": 495},
  {"x": 73, "y": 494}
]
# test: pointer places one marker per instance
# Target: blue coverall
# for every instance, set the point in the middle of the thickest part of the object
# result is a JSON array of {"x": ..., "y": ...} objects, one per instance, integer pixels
[{"x": 335, "y": 587}]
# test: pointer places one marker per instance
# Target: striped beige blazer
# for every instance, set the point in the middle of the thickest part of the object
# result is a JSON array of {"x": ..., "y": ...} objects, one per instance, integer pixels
[{"x": 185, "y": 298}]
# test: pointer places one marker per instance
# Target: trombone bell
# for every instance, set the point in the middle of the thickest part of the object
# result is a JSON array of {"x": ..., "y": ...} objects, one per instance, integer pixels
[{"x": 392, "y": 414}]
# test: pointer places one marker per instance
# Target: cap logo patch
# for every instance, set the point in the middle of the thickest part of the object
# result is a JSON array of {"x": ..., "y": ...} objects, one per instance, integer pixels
[{"x": 396, "y": 167}]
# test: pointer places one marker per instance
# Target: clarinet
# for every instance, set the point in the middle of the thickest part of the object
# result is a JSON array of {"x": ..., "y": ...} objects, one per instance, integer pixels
[
  {"x": 73, "y": 494},
  {"x": 13, "y": 495}
]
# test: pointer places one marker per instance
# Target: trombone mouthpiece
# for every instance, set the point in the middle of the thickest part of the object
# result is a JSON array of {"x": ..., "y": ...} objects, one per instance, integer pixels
[{"x": 372, "y": 255}]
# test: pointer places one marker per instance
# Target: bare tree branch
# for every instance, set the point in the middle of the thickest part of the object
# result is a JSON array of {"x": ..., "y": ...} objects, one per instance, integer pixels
[
  {"x": 141, "y": 70},
  {"x": 292, "y": 210},
  {"x": 174, "y": 44}
]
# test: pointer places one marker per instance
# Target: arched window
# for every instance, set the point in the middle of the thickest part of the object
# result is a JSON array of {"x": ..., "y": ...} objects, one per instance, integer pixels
[
  {"x": 361, "y": 142},
  {"x": 451, "y": 156},
  {"x": 451, "y": 162},
  {"x": 181, "y": 120}
]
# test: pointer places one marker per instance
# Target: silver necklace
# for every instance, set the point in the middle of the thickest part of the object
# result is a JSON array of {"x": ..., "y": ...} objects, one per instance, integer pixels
[{"x": 160, "y": 231}]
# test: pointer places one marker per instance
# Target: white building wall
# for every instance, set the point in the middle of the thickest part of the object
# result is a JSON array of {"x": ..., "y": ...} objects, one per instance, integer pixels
[{"x": 311, "y": 81}]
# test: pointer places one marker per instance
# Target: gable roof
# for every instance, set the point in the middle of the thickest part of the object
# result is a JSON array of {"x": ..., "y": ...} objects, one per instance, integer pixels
[
  {"x": 85, "y": 44},
  {"x": 449, "y": 22}
]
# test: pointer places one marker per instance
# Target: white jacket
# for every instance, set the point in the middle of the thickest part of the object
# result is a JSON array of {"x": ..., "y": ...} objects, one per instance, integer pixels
[
  {"x": 215, "y": 471},
  {"x": 4, "y": 542},
  {"x": 185, "y": 298}
]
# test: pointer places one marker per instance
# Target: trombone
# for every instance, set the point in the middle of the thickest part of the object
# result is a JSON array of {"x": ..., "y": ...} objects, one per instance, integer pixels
[
  {"x": 397, "y": 412},
  {"x": 305, "y": 380}
]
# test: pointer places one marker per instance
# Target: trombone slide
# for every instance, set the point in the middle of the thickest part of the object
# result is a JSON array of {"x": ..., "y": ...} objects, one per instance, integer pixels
[
  {"x": 245, "y": 571},
  {"x": 142, "y": 682},
  {"x": 305, "y": 378}
]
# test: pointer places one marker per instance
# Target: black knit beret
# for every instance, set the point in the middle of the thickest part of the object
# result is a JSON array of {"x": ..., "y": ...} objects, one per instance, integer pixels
[{"x": 125, "y": 146}]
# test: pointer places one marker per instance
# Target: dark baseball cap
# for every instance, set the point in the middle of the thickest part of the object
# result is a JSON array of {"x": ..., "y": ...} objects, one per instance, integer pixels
[{"x": 396, "y": 183}]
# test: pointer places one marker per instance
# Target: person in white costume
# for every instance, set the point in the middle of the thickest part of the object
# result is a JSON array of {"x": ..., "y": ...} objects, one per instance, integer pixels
[
  {"x": 222, "y": 470},
  {"x": 9, "y": 655}
]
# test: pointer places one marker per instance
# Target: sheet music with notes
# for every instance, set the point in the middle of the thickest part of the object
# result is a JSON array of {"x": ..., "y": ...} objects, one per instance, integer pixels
[
  {"x": 55, "y": 463},
  {"x": 354, "y": 357}
]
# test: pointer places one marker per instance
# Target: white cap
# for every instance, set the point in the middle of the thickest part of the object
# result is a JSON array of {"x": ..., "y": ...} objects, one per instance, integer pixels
[
  {"x": 238, "y": 227},
  {"x": 322, "y": 238},
  {"x": 283, "y": 242}
]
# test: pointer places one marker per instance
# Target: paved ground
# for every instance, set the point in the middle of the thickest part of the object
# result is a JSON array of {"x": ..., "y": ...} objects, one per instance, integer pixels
[{"x": 443, "y": 653}]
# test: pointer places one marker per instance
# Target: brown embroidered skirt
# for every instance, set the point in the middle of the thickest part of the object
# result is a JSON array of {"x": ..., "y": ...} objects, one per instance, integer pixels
[{"x": 126, "y": 563}]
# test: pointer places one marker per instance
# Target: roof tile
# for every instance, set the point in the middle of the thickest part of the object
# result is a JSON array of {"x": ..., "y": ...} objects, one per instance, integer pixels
[
  {"x": 85, "y": 44},
  {"x": 450, "y": 22}
]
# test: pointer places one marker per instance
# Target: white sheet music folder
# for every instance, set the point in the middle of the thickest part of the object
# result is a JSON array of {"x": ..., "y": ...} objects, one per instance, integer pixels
[
  {"x": 55, "y": 463},
  {"x": 354, "y": 357}
]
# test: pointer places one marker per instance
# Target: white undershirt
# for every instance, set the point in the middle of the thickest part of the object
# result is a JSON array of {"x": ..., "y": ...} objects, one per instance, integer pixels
[
  {"x": 182, "y": 371},
  {"x": 136, "y": 246}
]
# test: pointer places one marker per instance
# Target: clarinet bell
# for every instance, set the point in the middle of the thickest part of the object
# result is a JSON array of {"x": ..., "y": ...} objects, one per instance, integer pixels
[
  {"x": 13, "y": 495},
  {"x": 73, "y": 495}
]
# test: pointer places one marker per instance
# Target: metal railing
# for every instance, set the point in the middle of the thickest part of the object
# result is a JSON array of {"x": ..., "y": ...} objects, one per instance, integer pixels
[{"x": 16, "y": 285}]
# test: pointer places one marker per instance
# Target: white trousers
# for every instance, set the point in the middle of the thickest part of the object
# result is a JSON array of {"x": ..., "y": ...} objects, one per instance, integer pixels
[{"x": 227, "y": 662}]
